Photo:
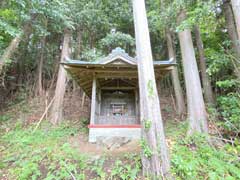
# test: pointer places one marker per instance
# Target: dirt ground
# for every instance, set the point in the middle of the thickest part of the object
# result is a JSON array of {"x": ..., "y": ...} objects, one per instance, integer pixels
[{"x": 80, "y": 142}]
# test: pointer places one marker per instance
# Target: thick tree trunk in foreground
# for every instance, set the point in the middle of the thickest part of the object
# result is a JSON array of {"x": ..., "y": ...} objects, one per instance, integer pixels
[
  {"x": 9, "y": 51},
  {"x": 155, "y": 157},
  {"x": 39, "y": 86},
  {"x": 236, "y": 12},
  {"x": 175, "y": 78},
  {"x": 57, "y": 107},
  {"x": 196, "y": 108},
  {"x": 207, "y": 88},
  {"x": 233, "y": 36}
]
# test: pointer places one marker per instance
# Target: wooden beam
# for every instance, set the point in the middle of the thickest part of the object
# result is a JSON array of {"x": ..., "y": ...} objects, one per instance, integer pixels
[
  {"x": 114, "y": 76},
  {"x": 93, "y": 100},
  {"x": 117, "y": 88}
]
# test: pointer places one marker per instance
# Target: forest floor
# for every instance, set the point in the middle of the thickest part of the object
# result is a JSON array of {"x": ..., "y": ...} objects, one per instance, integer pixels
[{"x": 63, "y": 152}]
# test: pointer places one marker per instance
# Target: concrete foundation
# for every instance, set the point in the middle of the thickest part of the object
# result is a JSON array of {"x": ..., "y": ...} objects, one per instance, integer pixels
[{"x": 132, "y": 133}]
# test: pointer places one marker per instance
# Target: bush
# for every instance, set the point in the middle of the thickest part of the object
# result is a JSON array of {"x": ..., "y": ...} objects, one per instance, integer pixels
[
  {"x": 193, "y": 158},
  {"x": 230, "y": 112}
]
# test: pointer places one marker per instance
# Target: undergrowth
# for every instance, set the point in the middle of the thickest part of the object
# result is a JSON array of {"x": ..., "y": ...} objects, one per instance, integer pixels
[{"x": 47, "y": 154}]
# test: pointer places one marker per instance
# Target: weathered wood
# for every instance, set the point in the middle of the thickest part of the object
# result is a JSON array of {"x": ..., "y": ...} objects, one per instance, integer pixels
[
  {"x": 44, "y": 114},
  {"x": 196, "y": 108},
  {"x": 93, "y": 100},
  {"x": 117, "y": 88},
  {"x": 116, "y": 120},
  {"x": 56, "y": 113},
  {"x": 236, "y": 12},
  {"x": 155, "y": 165},
  {"x": 136, "y": 103},
  {"x": 83, "y": 99},
  {"x": 39, "y": 87},
  {"x": 9, "y": 51},
  {"x": 206, "y": 83},
  {"x": 228, "y": 13},
  {"x": 116, "y": 76},
  {"x": 175, "y": 78},
  {"x": 99, "y": 101}
]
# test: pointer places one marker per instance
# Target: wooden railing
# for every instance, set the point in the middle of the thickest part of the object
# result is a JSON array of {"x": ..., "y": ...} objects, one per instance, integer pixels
[{"x": 117, "y": 120}]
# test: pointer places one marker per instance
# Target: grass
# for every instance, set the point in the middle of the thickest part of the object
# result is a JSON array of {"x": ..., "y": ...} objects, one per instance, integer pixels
[{"x": 47, "y": 154}]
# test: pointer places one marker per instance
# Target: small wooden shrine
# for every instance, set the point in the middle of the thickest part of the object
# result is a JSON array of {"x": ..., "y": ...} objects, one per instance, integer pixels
[{"x": 112, "y": 85}]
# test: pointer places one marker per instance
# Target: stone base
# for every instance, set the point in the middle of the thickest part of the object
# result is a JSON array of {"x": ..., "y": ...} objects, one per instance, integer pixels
[{"x": 131, "y": 133}]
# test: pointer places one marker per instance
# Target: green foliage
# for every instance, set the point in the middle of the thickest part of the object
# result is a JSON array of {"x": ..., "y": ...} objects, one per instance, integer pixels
[
  {"x": 219, "y": 61},
  {"x": 27, "y": 152},
  {"x": 230, "y": 110},
  {"x": 4, "y": 118},
  {"x": 98, "y": 168},
  {"x": 229, "y": 83},
  {"x": 146, "y": 149},
  {"x": 193, "y": 158},
  {"x": 46, "y": 154},
  {"x": 117, "y": 39},
  {"x": 150, "y": 88},
  {"x": 124, "y": 171},
  {"x": 147, "y": 124},
  {"x": 91, "y": 55}
]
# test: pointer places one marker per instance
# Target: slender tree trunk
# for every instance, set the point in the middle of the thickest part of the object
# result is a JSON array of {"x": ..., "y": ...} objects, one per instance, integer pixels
[
  {"x": 39, "y": 86},
  {"x": 175, "y": 78},
  {"x": 236, "y": 12},
  {"x": 155, "y": 163},
  {"x": 9, "y": 51},
  {"x": 26, "y": 30},
  {"x": 207, "y": 88},
  {"x": 57, "y": 107},
  {"x": 233, "y": 36},
  {"x": 77, "y": 55},
  {"x": 196, "y": 108},
  {"x": 78, "y": 45}
]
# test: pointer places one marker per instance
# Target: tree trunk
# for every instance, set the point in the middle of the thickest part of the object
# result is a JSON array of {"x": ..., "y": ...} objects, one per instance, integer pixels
[
  {"x": 77, "y": 55},
  {"x": 39, "y": 86},
  {"x": 57, "y": 108},
  {"x": 175, "y": 78},
  {"x": 236, "y": 12},
  {"x": 155, "y": 157},
  {"x": 232, "y": 35},
  {"x": 207, "y": 88},
  {"x": 9, "y": 51},
  {"x": 196, "y": 108},
  {"x": 26, "y": 30},
  {"x": 78, "y": 45}
]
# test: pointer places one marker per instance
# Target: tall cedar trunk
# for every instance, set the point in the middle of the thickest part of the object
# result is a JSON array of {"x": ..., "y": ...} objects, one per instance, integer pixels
[
  {"x": 39, "y": 86},
  {"x": 57, "y": 107},
  {"x": 232, "y": 35},
  {"x": 175, "y": 78},
  {"x": 236, "y": 12},
  {"x": 196, "y": 108},
  {"x": 207, "y": 88},
  {"x": 156, "y": 163}
]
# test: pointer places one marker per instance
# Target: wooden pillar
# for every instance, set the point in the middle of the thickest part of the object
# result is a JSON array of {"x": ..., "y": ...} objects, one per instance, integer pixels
[
  {"x": 136, "y": 105},
  {"x": 93, "y": 100},
  {"x": 99, "y": 101}
]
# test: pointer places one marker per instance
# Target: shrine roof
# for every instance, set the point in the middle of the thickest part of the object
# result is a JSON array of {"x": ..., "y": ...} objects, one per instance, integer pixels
[
  {"x": 118, "y": 57},
  {"x": 117, "y": 65}
]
